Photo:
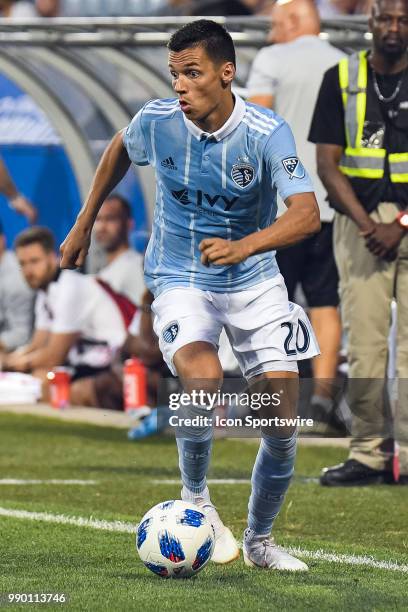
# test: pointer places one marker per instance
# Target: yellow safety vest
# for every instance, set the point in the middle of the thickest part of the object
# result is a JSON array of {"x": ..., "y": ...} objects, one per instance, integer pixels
[{"x": 359, "y": 161}]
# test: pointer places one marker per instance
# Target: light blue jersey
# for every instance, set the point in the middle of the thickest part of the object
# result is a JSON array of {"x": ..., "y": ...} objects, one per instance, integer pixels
[{"x": 212, "y": 185}]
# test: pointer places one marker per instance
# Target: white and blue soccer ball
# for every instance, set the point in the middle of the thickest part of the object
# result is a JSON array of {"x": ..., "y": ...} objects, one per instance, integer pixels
[{"x": 175, "y": 539}]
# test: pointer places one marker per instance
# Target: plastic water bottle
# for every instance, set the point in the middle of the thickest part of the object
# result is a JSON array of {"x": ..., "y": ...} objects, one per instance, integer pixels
[{"x": 135, "y": 388}]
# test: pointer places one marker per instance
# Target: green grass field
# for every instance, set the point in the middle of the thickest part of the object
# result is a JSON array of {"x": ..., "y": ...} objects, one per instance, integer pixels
[{"x": 100, "y": 570}]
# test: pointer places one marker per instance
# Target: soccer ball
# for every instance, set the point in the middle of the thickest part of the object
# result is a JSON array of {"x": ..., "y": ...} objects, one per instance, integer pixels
[{"x": 175, "y": 539}]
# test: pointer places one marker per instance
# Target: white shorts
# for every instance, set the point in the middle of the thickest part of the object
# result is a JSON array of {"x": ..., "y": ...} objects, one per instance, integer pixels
[{"x": 266, "y": 331}]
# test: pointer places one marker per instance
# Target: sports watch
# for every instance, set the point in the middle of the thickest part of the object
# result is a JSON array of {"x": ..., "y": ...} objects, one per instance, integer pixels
[{"x": 402, "y": 219}]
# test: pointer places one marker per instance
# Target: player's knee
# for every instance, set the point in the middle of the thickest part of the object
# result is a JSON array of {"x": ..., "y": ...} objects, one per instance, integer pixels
[{"x": 199, "y": 368}]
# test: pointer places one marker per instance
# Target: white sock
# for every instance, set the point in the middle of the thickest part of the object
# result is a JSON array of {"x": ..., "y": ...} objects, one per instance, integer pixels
[
  {"x": 195, "y": 498},
  {"x": 251, "y": 537}
]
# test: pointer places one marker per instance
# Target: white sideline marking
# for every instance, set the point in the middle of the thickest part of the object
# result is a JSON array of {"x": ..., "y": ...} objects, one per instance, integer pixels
[
  {"x": 78, "y": 521},
  {"x": 121, "y": 527},
  {"x": 320, "y": 555},
  {"x": 19, "y": 481}
]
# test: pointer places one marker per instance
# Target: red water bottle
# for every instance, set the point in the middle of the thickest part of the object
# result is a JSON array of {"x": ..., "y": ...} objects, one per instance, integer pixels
[
  {"x": 135, "y": 387},
  {"x": 59, "y": 384}
]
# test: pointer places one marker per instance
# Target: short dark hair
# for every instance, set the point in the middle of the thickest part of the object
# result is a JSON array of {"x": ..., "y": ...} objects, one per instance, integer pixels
[
  {"x": 36, "y": 235},
  {"x": 206, "y": 33},
  {"x": 126, "y": 207}
]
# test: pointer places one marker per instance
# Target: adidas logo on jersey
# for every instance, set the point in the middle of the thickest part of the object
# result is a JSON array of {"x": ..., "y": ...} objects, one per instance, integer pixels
[{"x": 169, "y": 163}]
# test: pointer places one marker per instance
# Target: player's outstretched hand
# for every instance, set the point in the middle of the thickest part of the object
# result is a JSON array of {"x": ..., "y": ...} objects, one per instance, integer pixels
[
  {"x": 75, "y": 247},
  {"x": 222, "y": 252}
]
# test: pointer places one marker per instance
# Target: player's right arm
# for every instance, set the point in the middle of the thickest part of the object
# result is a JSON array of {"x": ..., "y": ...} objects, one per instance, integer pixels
[{"x": 111, "y": 169}]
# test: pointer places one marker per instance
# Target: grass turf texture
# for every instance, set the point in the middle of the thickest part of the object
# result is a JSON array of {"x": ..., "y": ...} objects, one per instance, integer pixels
[{"x": 101, "y": 571}]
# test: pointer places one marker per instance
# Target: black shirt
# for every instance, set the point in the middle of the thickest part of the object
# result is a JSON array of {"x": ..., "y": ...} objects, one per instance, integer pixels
[{"x": 385, "y": 126}]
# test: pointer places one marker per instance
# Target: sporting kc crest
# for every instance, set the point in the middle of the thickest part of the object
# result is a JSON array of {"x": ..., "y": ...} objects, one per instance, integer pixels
[
  {"x": 170, "y": 332},
  {"x": 243, "y": 173},
  {"x": 294, "y": 167}
]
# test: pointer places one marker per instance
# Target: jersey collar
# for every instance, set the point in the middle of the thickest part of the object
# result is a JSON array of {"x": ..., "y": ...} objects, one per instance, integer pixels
[{"x": 229, "y": 126}]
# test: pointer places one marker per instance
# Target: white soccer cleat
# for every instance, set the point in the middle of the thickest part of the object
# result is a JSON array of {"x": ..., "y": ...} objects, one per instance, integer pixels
[
  {"x": 260, "y": 551},
  {"x": 226, "y": 547}
]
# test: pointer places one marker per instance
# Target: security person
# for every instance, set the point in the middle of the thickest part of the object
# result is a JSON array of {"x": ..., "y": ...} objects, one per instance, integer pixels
[{"x": 360, "y": 125}]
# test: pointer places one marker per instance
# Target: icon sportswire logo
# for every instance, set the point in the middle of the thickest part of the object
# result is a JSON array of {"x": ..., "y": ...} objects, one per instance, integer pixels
[{"x": 169, "y": 163}]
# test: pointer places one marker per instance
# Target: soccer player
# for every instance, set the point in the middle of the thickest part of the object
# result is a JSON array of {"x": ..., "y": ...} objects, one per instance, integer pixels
[{"x": 211, "y": 264}]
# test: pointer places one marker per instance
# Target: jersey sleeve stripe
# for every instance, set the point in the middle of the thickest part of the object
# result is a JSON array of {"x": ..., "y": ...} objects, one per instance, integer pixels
[
  {"x": 256, "y": 127},
  {"x": 269, "y": 127},
  {"x": 262, "y": 122},
  {"x": 162, "y": 112},
  {"x": 162, "y": 106},
  {"x": 263, "y": 116},
  {"x": 160, "y": 103},
  {"x": 164, "y": 100}
]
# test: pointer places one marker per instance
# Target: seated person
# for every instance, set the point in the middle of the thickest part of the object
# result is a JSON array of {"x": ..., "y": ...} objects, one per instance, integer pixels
[
  {"x": 106, "y": 389},
  {"x": 77, "y": 323},
  {"x": 124, "y": 268},
  {"x": 16, "y": 302}
]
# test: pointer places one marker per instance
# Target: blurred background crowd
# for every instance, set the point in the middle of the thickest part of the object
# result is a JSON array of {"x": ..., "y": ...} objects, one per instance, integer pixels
[{"x": 22, "y": 9}]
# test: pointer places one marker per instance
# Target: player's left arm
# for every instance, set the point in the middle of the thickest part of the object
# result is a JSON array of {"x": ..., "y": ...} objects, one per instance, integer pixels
[{"x": 301, "y": 220}]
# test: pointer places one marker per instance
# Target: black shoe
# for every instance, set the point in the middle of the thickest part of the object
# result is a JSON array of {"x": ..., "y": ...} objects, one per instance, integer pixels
[
  {"x": 352, "y": 473},
  {"x": 402, "y": 480}
]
